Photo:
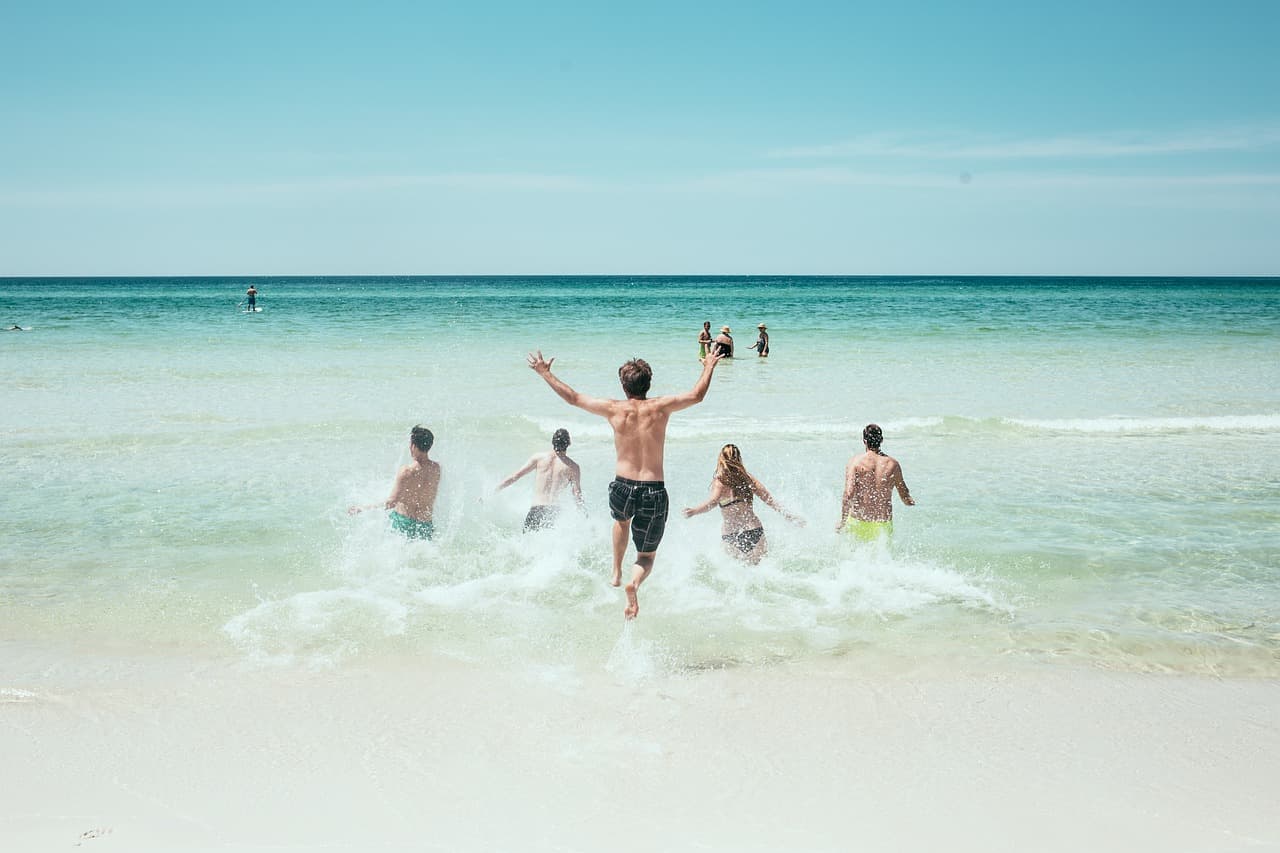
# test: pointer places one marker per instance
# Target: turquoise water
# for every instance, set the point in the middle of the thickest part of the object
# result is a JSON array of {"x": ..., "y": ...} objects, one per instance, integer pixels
[{"x": 1096, "y": 464}]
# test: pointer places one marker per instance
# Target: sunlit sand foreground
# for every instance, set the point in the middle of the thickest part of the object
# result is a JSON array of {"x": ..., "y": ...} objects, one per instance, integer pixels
[{"x": 431, "y": 755}]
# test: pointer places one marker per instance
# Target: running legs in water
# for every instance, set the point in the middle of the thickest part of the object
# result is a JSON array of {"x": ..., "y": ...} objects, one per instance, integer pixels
[
  {"x": 644, "y": 565},
  {"x": 621, "y": 530}
]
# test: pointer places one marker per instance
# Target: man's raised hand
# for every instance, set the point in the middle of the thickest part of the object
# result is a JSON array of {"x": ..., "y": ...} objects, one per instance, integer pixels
[{"x": 539, "y": 364}]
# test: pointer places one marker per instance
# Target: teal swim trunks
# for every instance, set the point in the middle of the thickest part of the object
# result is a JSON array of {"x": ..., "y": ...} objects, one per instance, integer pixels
[{"x": 411, "y": 528}]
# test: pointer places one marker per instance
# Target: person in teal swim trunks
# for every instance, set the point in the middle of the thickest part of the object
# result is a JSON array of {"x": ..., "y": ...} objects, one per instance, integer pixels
[
  {"x": 866, "y": 510},
  {"x": 413, "y": 497}
]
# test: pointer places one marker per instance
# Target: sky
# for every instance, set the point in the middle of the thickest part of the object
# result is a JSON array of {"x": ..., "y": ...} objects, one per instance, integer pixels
[{"x": 844, "y": 138}]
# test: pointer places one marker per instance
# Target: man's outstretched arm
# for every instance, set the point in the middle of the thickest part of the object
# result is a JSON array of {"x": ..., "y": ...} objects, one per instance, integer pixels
[
  {"x": 542, "y": 367},
  {"x": 528, "y": 466},
  {"x": 901, "y": 485},
  {"x": 676, "y": 402}
]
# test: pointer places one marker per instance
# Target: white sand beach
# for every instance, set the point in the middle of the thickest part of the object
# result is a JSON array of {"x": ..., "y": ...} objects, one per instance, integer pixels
[{"x": 147, "y": 755}]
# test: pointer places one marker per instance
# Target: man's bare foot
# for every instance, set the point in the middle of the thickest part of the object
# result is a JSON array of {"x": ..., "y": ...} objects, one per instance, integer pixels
[
  {"x": 633, "y": 603},
  {"x": 617, "y": 578}
]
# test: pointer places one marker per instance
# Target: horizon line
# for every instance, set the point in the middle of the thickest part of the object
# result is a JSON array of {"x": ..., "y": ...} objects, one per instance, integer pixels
[{"x": 7, "y": 276}]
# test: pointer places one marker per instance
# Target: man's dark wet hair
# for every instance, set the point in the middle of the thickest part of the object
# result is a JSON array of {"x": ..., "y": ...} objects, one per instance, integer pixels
[
  {"x": 873, "y": 435},
  {"x": 635, "y": 377},
  {"x": 560, "y": 440},
  {"x": 422, "y": 438}
]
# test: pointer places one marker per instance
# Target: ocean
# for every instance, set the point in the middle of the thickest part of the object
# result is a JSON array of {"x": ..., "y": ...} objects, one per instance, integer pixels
[{"x": 1096, "y": 465}]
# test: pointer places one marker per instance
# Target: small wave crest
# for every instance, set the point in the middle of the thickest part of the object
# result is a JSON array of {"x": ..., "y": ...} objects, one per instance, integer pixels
[
  {"x": 1119, "y": 424},
  {"x": 696, "y": 429}
]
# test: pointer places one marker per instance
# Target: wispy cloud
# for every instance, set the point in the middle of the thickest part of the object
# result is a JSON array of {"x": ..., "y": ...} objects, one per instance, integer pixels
[
  {"x": 756, "y": 180},
  {"x": 767, "y": 180},
  {"x": 1083, "y": 146},
  {"x": 248, "y": 191}
]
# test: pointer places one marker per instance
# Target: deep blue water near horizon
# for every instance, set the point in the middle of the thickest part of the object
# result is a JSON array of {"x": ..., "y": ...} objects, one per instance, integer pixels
[{"x": 1097, "y": 465}]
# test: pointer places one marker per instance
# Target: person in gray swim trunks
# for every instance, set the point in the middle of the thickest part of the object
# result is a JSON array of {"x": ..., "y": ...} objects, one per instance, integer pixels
[{"x": 555, "y": 470}]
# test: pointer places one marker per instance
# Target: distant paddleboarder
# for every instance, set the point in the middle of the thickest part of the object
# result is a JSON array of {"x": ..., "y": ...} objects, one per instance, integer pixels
[{"x": 252, "y": 296}]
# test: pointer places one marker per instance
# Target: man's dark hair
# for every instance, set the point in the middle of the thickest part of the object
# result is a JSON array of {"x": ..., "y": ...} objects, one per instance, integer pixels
[
  {"x": 873, "y": 435},
  {"x": 635, "y": 377},
  {"x": 560, "y": 440},
  {"x": 422, "y": 438}
]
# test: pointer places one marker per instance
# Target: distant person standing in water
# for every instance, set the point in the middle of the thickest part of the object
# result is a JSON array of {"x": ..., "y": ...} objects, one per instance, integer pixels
[
  {"x": 637, "y": 496},
  {"x": 870, "y": 479},
  {"x": 704, "y": 340},
  {"x": 252, "y": 295},
  {"x": 555, "y": 470},
  {"x": 413, "y": 497},
  {"x": 761, "y": 346},
  {"x": 724, "y": 343},
  {"x": 733, "y": 489}
]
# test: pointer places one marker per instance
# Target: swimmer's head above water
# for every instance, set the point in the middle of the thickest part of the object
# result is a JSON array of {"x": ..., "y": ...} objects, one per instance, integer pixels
[
  {"x": 421, "y": 438},
  {"x": 560, "y": 440},
  {"x": 872, "y": 436}
]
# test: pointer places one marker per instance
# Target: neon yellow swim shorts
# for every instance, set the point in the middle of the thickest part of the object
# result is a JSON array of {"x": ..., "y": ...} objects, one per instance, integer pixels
[{"x": 868, "y": 531}]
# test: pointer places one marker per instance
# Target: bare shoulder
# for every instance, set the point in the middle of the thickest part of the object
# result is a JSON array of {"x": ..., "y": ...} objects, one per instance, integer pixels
[{"x": 664, "y": 402}]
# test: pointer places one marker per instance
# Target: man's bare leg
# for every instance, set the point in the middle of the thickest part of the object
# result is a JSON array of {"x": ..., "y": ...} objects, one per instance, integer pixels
[
  {"x": 644, "y": 565},
  {"x": 621, "y": 530}
]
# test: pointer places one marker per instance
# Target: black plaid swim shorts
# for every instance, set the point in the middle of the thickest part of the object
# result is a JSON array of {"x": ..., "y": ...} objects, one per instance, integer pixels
[{"x": 645, "y": 504}]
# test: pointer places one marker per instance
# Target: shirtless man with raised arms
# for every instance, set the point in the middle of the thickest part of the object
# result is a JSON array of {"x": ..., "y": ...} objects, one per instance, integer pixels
[
  {"x": 637, "y": 496},
  {"x": 866, "y": 510},
  {"x": 555, "y": 470}
]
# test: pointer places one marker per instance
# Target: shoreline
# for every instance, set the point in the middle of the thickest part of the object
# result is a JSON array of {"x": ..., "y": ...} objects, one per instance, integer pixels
[{"x": 439, "y": 754}]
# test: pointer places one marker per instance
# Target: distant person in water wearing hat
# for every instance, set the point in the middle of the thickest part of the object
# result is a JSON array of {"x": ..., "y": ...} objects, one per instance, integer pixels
[
  {"x": 724, "y": 343},
  {"x": 761, "y": 346}
]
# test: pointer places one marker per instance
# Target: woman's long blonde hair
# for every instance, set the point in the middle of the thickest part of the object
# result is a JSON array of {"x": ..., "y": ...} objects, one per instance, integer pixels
[{"x": 731, "y": 472}]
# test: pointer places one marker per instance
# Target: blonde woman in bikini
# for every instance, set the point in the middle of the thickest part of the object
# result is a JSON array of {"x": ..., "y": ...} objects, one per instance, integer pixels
[{"x": 734, "y": 491}]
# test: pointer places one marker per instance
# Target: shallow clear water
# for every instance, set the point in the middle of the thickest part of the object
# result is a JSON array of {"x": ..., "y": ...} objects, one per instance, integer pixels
[{"x": 1096, "y": 464}]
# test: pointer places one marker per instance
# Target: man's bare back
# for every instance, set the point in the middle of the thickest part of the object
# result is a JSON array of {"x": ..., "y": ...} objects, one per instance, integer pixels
[
  {"x": 414, "y": 492},
  {"x": 869, "y": 482},
  {"x": 638, "y": 499},
  {"x": 640, "y": 436},
  {"x": 552, "y": 473},
  {"x": 874, "y": 477},
  {"x": 413, "y": 495}
]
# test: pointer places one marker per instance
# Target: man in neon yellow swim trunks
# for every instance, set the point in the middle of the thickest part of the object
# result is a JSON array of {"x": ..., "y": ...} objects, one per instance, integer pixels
[
  {"x": 413, "y": 497},
  {"x": 866, "y": 510}
]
